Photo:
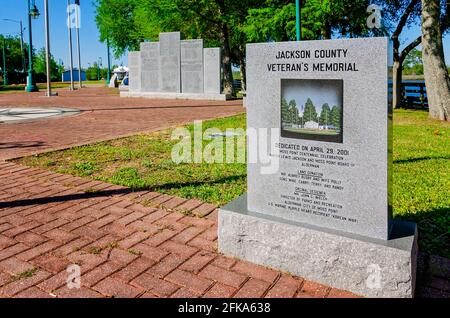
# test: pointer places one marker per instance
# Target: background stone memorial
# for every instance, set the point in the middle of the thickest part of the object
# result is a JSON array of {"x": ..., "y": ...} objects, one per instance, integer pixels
[
  {"x": 325, "y": 214},
  {"x": 192, "y": 66},
  {"x": 212, "y": 70},
  {"x": 175, "y": 68},
  {"x": 169, "y": 54},
  {"x": 149, "y": 67},
  {"x": 134, "y": 62}
]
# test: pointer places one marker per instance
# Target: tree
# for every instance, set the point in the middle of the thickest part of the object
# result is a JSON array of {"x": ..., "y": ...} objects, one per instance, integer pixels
[
  {"x": 413, "y": 64},
  {"x": 398, "y": 14},
  {"x": 218, "y": 22},
  {"x": 310, "y": 113},
  {"x": 293, "y": 112},
  {"x": 325, "y": 115},
  {"x": 336, "y": 117},
  {"x": 285, "y": 116},
  {"x": 40, "y": 67},
  {"x": 226, "y": 23},
  {"x": 436, "y": 73},
  {"x": 113, "y": 18},
  {"x": 16, "y": 62},
  {"x": 274, "y": 20}
]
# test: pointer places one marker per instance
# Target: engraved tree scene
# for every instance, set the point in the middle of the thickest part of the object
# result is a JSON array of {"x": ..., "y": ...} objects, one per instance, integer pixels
[{"x": 311, "y": 107}]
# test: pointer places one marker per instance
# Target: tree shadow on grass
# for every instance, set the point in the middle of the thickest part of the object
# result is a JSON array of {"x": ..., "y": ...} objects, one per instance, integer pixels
[
  {"x": 179, "y": 185},
  {"x": 434, "y": 230},
  {"x": 22, "y": 144},
  {"x": 109, "y": 193},
  {"x": 411, "y": 160}
]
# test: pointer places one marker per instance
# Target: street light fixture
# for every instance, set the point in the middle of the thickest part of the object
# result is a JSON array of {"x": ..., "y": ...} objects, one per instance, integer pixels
[{"x": 33, "y": 13}]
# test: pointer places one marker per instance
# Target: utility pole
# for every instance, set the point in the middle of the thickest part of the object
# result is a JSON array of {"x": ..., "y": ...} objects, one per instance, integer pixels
[
  {"x": 47, "y": 50},
  {"x": 77, "y": 27},
  {"x": 21, "y": 46},
  {"x": 5, "y": 73},
  {"x": 69, "y": 25}
]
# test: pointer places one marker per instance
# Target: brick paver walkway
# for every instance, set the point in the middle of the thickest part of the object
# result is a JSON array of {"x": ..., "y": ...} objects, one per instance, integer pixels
[
  {"x": 106, "y": 116},
  {"x": 127, "y": 244}
]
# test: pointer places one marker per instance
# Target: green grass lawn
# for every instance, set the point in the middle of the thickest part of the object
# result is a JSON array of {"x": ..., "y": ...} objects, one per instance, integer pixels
[
  {"x": 307, "y": 131},
  {"x": 19, "y": 88},
  {"x": 421, "y": 171},
  {"x": 421, "y": 189}
]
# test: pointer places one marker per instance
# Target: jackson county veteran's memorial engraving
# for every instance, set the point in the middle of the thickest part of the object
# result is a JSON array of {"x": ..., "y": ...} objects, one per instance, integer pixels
[
  {"x": 325, "y": 212},
  {"x": 175, "y": 68}
]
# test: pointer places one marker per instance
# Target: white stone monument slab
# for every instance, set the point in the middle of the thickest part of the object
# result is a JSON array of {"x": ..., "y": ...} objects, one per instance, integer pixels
[
  {"x": 150, "y": 67},
  {"x": 337, "y": 177},
  {"x": 174, "y": 69},
  {"x": 319, "y": 205},
  {"x": 134, "y": 65},
  {"x": 192, "y": 66},
  {"x": 170, "y": 75},
  {"x": 212, "y": 70}
]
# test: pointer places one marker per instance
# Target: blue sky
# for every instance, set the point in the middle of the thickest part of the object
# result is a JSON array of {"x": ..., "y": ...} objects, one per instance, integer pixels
[
  {"x": 320, "y": 92},
  {"x": 92, "y": 49}
]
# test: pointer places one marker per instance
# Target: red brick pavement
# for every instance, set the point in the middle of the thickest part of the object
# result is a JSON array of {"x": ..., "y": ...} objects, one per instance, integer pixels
[
  {"x": 105, "y": 116},
  {"x": 167, "y": 248},
  {"x": 124, "y": 249}
]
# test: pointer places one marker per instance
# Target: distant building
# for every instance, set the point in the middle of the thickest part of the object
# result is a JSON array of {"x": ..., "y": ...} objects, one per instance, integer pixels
[
  {"x": 66, "y": 75},
  {"x": 311, "y": 125}
]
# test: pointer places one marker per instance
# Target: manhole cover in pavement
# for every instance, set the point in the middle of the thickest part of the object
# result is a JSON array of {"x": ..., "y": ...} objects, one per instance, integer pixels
[{"x": 21, "y": 114}]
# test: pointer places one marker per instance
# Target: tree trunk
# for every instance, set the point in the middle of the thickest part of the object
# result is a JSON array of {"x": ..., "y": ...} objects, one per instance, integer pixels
[
  {"x": 397, "y": 96},
  {"x": 226, "y": 63},
  {"x": 226, "y": 53},
  {"x": 396, "y": 73},
  {"x": 399, "y": 57},
  {"x": 326, "y": 31},
  {"x": 242, "y": 65},
  {"x": 436, "y": 73}
]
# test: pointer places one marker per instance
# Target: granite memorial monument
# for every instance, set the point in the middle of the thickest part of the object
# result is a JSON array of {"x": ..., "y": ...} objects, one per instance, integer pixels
[
  {"x": 175, "y": 68},
  {"x": 326, "y": 213}
]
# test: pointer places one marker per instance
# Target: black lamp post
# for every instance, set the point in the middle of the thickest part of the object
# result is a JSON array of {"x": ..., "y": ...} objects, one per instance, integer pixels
[
  {"x": 108, "y": 74},
  {"x": 5, "y": 72},
  {"x": 33, "y": 12}
]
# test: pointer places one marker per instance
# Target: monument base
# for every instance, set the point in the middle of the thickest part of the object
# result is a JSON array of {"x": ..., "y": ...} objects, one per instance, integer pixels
[
  {"x": 364, "y": 266},
  {"x": 157, "y": 95}
]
